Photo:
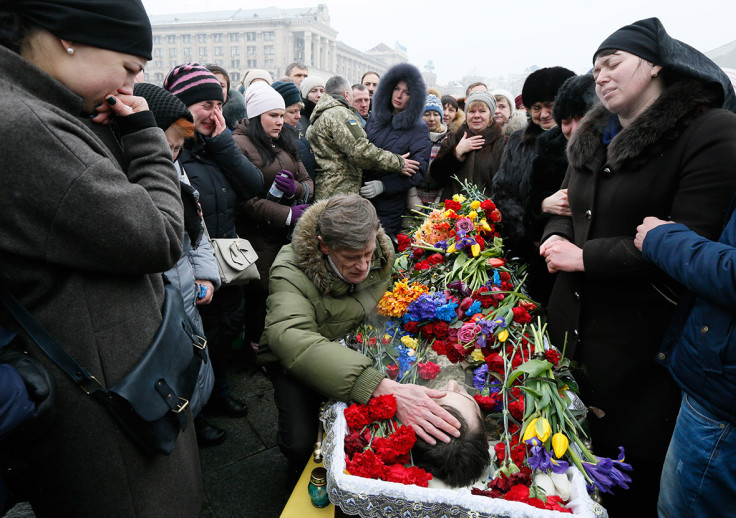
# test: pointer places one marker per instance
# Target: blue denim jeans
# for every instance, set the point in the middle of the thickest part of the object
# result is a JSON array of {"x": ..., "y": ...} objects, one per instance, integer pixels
[{"x": 699, "y": 474}]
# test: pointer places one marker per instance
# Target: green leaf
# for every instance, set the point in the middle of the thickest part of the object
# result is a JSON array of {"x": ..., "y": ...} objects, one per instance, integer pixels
[{"x": 532, "y": 367}]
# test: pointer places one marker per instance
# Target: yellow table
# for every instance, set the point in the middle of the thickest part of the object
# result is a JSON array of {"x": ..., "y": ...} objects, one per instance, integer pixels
[{"x": 300, "y": 505}]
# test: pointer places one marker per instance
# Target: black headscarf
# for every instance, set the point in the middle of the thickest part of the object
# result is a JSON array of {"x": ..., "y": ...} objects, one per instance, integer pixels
[
  {"x": 648, "y": 40},
  {"x": 119, "y": 25}
]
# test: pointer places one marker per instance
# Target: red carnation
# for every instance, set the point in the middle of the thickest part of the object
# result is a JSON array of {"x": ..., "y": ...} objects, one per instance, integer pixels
[
  {"x": 486, "y": 403},
  {"x": 517, "y": 409},
  {"x": 366, "y": 464},
  {"x": 385, "y": 449},
  {"x": 422, "y": 265},
  {"x": 403, "y": 439},
  {"x": 392, "y": 371},
  {"x": 404, "y": 475},
  {"x": 504, "y": 276},
  {"x": 487, "y": 205},
  {"x": 453, "y": 354},
  {"x": 500, "y": 449},
  {"x": 495, "y": 363},
  {"x": 417, "y": 253},
  {"x": 356, "y": 442},
  {"x": 481, "y": 242},
  {"x": 452, "y": 205},
  {"x": 555, "y": 503},
  {"x": 404, "y": 242},
  {"x": 521, "y": 315},
  {"x": 552, "y": 356},
  {"x": 495, "y": 216},
  {"x": 428, "y": 370},
  {"x": 435, "y": 259},
  {"x": 357, "y": 416},
  {"x": 440, "y": 347},
  {"x": 518, "y": 493},
  {"x": 382, "y": 407},
  {"x": 411, "y": 327}
]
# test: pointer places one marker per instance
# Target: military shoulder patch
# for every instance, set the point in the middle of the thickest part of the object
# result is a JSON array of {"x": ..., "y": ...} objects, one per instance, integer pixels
[{"x": 355, "y": 129}]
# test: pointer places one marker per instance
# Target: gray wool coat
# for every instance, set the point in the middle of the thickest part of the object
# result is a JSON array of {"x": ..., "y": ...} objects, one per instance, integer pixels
[{"x": 82, "y": 239}]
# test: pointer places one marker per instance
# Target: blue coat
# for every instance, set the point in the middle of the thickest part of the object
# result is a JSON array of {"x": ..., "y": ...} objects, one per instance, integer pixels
[
  {"x": 700, "y": 352},
  {"x": 400, "y": 133}
]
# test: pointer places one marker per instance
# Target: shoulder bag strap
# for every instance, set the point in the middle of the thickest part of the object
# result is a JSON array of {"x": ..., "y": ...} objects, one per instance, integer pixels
[{"x": 88, "y": 383}]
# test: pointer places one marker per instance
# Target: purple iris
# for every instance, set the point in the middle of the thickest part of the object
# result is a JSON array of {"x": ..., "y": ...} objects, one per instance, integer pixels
[
  {"x": 487, "y": 327},
  {"x": 441, "y": 244},
  {"x": 460, "y": 287},
  {"x": 480, "y": 377},
  {"x": 607, "y": 474},
  {"x": 539, "y": 457},
  {"x": 463, "y": 241}
]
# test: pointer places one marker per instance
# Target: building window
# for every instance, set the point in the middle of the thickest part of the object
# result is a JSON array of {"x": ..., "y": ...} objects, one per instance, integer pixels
[
  {"x": 234, "y": 63},
  {"x": 217, "y": 38},
  {"x": 220, "y": 62},
  {"x": 250, "y": 36},
  {"x": 268, "y": 63},
  {"x": 234, "y": 51},
  {"x": 172, "y": 52},
  {"x": 202, "y": 52},
  {"x": 202, "y": 38},
  {"x": 188, "y": 52},
  {"x": 156, "y": 53},
  {"x": 157, "y": 40},
  {"x": 235, "y": 36},
  {"x": 159, "y": 64},
  {"x": 158, "y": 77},
  {"x": 171, "y": 38},
  {"x": 235, "y": 77},
  {"x": 268, "y": 50},
  {"x": 186, "y": 38},
  {"x": 269, "y": 36},
  {"x": 251, "y": 50},
  {"x": 172, "y": 64},
  {"x": 252, "y": 63},
  {"x": 218, "y": 51}
]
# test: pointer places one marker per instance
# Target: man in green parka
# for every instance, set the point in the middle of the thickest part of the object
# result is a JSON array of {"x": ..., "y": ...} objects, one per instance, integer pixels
[{"x": 321, "y": 288}]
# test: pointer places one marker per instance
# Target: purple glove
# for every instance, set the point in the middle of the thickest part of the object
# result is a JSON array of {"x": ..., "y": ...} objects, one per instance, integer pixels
[
  {"x": 286, "y": 183},
  {"x": 297, "y": 211}
]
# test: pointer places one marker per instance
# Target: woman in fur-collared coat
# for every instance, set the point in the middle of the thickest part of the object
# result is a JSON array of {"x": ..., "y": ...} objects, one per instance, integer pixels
[
  {"x": 657, "y": 145},
  {"x": 396, "y": 125}
]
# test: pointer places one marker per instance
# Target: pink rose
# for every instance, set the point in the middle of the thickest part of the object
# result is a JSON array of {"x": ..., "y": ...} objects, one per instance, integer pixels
[
  {"x": 464, "y": 224},
  {"x": 468, "y": 333}
]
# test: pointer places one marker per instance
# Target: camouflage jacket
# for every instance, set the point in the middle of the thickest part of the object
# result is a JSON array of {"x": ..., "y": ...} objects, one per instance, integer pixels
[{"x": 342, "y": 150}]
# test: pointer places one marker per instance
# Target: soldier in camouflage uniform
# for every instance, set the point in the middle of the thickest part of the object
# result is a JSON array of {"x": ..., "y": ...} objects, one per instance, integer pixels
[{"x": 341, "y": 148}]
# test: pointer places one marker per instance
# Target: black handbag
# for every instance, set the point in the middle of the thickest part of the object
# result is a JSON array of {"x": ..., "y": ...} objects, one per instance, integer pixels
[{"x": 150, "y": 402}]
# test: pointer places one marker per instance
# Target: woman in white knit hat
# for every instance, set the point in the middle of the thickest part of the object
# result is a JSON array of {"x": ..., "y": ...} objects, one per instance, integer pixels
[
  {"x": 312, "y": 89},
  {"x": 264, "y": 220}
]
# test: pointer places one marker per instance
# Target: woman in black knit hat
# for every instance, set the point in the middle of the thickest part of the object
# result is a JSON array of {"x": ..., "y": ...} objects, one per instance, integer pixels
[
  {"x": 659, "y": 144},
  {"x": 93, "y": 214}
]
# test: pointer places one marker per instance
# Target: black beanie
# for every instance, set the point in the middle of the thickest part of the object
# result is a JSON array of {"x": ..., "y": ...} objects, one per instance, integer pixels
[
  {"x": 640, "y": 39},
  {"x": 542, "y": 85},
  {"x": 165, "y": 107},
  {"x": 649, "y": 40},
  {"x": 289, "y": 91},
  {"x": 119, "y": 25},
  {"x": 575, "y": 97}
]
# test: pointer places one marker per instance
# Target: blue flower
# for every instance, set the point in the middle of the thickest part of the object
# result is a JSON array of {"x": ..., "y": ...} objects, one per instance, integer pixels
[
  {"x": 441, "y": 244},
  {"x": 474, "y": 308},
  {"x": 446, "y": 312},
  {"x": 496, "y": 278},
  {"x": 606, "y": 473}
]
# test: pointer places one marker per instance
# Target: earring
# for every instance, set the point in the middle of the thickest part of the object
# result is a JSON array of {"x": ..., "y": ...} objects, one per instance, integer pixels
[{"x": 70, "y": 51}]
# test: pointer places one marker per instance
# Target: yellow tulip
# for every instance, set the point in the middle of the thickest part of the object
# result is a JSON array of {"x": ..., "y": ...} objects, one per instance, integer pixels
[
  {"x": 475, "y": 249},
  {"x": 531, "y": 430},
  {"x": 477, "y": 355},
  {"x": 451, "y": 249},
  {"x": 560, "y": 444},
  {"x": 484, "y": 225},
  {"x": 472, "y": 214},
  {"x": 448, "y": 213},
  {"x": 475, "y": 205},
  {"x": 543, "y": 429},
  {"x": 503, "y": 335},
  {"x": 459, "y": 198}
]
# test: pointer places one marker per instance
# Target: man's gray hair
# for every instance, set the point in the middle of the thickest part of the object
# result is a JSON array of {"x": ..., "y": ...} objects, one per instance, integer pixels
[
  {"x": 296, "y": 64},
  {"x": 348, "y": 221},
  {"x": 337, "y": 85},
  {"x": 359, "y": 87}
]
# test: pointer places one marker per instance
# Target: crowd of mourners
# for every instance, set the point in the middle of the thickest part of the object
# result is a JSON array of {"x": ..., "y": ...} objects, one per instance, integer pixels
[{"x": 616, "y": 188}]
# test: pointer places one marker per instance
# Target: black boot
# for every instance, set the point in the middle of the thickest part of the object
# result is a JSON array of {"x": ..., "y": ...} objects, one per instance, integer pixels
[{"x": 207, "y": 433}]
